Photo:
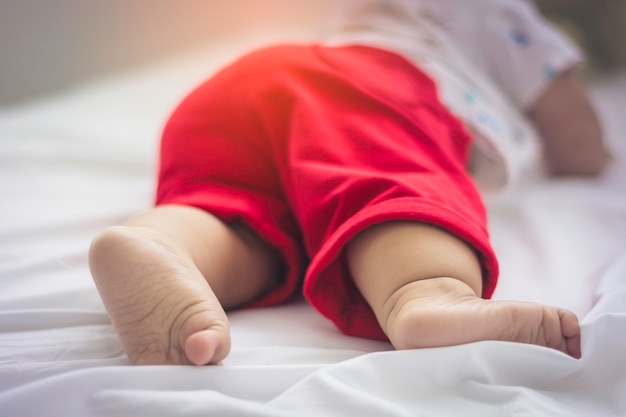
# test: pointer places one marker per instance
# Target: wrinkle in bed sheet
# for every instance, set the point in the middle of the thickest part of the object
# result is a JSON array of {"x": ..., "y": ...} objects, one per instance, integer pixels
[{"x": 73, "y": 164}]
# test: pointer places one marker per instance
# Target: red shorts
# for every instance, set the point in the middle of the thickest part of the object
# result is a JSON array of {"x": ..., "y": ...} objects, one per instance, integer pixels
[{"x": 308, "y": 145}]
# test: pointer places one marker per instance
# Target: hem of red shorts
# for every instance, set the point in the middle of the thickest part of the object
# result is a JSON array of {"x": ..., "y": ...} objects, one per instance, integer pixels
[
  {"x": 357, "y": 319},
  {"x": 271, "y": 233}
]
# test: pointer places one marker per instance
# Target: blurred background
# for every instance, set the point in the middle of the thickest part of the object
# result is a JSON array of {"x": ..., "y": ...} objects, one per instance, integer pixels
[
  {"x": 47, "y": 45},
  {"x": 598, "y": 26}
]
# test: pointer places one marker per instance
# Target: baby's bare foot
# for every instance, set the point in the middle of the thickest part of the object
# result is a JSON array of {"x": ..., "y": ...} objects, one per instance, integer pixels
[
  {"x": 444, "y": 312},
  {"x": 160, "y": 304}
]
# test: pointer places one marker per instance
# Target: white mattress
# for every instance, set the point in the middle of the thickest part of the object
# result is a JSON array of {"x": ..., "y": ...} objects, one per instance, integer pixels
[{"x": 77, "y": 162}]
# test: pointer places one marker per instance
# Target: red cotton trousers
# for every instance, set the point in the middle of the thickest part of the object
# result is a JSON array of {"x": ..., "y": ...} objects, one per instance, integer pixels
[{"x": 308, "y": 145}]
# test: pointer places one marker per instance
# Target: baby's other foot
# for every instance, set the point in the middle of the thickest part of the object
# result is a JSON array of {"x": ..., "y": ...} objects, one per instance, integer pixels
[
  {"x": 444, "y": 312},
  {"x": 160, "y": 304}
]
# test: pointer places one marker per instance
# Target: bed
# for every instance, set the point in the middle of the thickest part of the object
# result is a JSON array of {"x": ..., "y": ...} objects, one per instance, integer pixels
[{"x": 83, "y": 159}]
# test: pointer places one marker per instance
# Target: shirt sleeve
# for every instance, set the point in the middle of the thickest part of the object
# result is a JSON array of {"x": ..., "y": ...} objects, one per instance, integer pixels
[{"x": 510, "y": 41}]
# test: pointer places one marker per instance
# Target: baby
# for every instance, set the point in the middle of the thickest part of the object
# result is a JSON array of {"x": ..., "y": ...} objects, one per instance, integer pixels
[{"x": 347, "y": 169}]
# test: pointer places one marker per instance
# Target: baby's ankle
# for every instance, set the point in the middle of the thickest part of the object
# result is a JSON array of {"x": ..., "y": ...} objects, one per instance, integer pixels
[{"x": 417, "y": 307}]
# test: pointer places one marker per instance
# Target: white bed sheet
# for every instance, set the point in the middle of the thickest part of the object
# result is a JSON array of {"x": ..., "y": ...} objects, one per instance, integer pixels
[{"x": 77, "y": 162}]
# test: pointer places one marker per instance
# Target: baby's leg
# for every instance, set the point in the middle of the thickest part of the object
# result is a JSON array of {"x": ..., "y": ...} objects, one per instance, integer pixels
[
  {"x": 569, "y": 127},
  {"x": 424, "y": 286},
  {"x": 166, "y": 277}
]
